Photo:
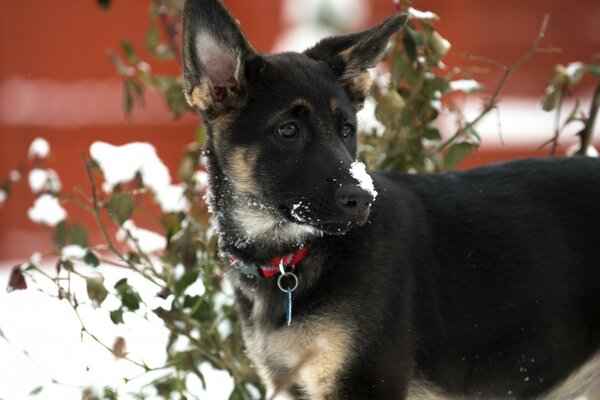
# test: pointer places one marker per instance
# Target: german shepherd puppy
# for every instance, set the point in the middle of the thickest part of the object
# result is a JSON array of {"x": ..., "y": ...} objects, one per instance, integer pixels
[{"x": 466, "y": 285}]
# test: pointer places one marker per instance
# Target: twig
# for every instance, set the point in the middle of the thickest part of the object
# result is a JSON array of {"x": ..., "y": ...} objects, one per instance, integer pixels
[
  {"x": 96, "y": 212},
  {"x": 508, "y": 71},
  {"x": 587, "y": 132},
  {"x": 170, "y": 30}
]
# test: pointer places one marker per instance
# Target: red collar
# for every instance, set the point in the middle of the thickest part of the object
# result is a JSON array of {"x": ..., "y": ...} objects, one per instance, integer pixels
[{"x": 272, "y": 267}]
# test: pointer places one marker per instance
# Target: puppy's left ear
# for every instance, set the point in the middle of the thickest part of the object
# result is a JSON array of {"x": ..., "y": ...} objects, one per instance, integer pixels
[{"x": 349, "y": 56}]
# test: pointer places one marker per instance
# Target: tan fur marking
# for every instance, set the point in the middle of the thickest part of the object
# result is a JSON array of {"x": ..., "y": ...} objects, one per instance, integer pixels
[
  {"x": 200, "y": 97},
  {"x": 243, "y": 162},
  {"x": 301, "y": 101},
  {"x": 584, "y": 381},
  {"x": 334, "y": 105},
  {"x": 320, "y": 348}
]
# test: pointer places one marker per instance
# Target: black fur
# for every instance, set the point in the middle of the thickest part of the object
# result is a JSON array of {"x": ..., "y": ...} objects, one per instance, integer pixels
[{"x": 483, "y": 283}]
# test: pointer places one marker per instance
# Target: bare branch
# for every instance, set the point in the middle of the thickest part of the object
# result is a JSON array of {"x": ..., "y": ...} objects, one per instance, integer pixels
[{"x": 508, "y": 71}]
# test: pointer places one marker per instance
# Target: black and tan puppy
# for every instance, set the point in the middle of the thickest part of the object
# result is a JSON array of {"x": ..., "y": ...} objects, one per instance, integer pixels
[{"x": 475, "y": 285}]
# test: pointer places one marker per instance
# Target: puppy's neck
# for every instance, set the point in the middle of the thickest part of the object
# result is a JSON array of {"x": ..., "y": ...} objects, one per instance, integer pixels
[{"x": 248, "y": 227}]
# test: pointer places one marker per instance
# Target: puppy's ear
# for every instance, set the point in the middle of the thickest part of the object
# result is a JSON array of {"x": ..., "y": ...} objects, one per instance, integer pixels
[
  {"x": 350, "y": 56},
  {"x": 216, "y": 57}
]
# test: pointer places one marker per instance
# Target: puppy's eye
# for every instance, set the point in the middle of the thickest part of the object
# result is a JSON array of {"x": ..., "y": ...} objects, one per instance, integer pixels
[
  {"x": 347, "y": 130},
  {"x": 289, "y": 130}
]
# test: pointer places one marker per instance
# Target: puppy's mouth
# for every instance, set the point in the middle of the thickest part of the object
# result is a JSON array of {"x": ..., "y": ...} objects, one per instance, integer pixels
[{"x": 331, "y": 226}]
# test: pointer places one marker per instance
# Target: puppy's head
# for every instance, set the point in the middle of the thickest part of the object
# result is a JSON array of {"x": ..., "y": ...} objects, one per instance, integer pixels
[{"x": 282, "y": 127}]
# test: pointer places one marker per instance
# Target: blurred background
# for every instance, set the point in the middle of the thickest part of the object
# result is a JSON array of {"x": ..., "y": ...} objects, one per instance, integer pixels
[{"x": 57, "y": 80}]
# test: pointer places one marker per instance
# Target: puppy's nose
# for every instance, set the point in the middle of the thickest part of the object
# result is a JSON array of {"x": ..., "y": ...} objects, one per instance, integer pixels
[{"x": 352, "y": 199}]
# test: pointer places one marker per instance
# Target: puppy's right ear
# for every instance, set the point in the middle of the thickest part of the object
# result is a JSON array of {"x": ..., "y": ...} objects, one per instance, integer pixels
[{"x": 216, "y": 56}]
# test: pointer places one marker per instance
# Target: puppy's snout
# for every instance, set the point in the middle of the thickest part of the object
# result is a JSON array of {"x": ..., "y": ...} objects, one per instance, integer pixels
[{"x": 353, "y": 200}]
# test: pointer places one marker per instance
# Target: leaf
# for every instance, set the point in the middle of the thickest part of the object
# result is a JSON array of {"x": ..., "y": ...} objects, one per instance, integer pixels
[
  {"x": 550, "y": 100},
  {"x": 120, "y": 207},
  {"x": 186, "y": 169},
  {"x": 116, "y": 316},
  {"x": 152, "y": 38},
  {"x": 16, "y": 281},
  {"x": 411, "y": 40},
  {"x": 118, "y": 347},
  {"x": 201, "y": 135},
  {"x": 128, "y": 295},
  {"x": 35, "y": 391},
  {"x": 61, "y": 234},
  {"x": 67, "y": 264},
  {"x": 127, "y": 98},
  {"x": 103, "y": 4},
  {"x": 129, "y": 51},
  {"x": 79, "y": 235},
  {"x": 186, "y": 280},
  {"x": 91, "y": 259},
  {"x": 389, "y": 109},
  {"x": 593, "y": 70},
  {"x": 457, "y": 153},
  {"x": 431, "y": 133},
  {"x": 96, "y": 290},
  {"x": 175, "y": 100}
]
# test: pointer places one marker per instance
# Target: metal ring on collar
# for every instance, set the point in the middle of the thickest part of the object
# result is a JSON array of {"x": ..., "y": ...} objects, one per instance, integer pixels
[{"x": 287, "y": 274}]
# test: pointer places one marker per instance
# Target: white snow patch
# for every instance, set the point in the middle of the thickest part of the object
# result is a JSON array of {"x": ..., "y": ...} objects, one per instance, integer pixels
[
  {"x": 42, "y": 180},
  {"x": 47, "y": 210},
  {"x": 308, "y": 21},
  {"x": 3, "y": 196},
  {"x": 574, "y": 68},
  {"x": 591, "y": 151},
  {"x": 72, "y": 251},
  {"x": 367, "y": 122},
  {"x": 224, "y": 328},
  {"x": 148, "y": 241},
  {"x": 120, "y": 164},
  {"x": 14, "y": 175},
  {"x": 39, "y": 148},
  {"x": 171, "y": 198},
  {"x": 359, "y": 172},
  {"x": 197, "y": 288},
  {"x": 423, "y": 15},
  {"x": 465, "y": 85}
]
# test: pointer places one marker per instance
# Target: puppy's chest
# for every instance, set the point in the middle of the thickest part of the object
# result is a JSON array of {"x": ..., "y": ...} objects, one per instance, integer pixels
[{"x": 310, "y": 354}]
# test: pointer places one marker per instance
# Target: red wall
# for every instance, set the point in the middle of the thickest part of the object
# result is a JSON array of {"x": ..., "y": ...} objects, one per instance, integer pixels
[{"x": 66, "y": 42}]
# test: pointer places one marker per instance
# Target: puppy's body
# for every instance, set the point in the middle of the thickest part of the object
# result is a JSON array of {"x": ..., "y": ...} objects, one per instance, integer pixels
[{"x": 481, "y": 284}]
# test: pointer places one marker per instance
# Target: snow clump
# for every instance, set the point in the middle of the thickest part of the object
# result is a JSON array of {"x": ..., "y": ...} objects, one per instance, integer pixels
[
  {"x": 120, "y": 164},
  {"x": 39, "y": 148},
  {"x": 47, "y": 210}
]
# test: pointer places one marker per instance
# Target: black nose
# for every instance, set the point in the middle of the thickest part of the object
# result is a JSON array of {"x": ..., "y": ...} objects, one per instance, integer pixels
[{"x": 352, "y": 199}]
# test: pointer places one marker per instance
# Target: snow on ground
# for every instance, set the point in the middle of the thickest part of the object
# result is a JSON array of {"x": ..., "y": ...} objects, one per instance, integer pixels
[{"x": 48, "y": 330}]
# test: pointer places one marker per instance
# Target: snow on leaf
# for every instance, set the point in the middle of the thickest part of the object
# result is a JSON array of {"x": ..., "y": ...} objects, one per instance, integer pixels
[
  {"x": 39, "y": 148},
  {"x": 423, "y": 15},
  {"x": 171, "y": 198},
  {"x": 120, "y": 164},
  {"x": 148, "y": 241},
  {"x": 47, "y": 210},
  {"x": 41, "y": 180},
  {"x": 465, "y": 85}
]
